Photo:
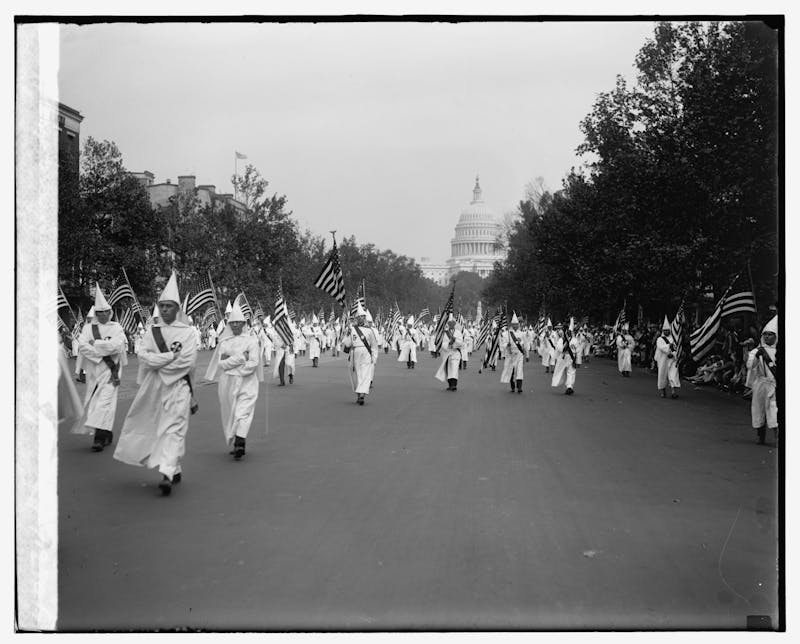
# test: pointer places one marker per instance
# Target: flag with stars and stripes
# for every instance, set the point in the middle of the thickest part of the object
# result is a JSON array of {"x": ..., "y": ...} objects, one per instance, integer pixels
[
  {"x": 200, "y": 295},
  {"x": 330, "y": 278}
]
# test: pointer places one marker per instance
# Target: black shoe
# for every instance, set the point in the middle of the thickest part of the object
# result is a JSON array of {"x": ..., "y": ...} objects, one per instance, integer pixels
[
  {"x": 99, "y": 440},
  {"x": 360, "y": 399},
  {"x": 291, "y": 380},
  {"x": 238, "y": 447},
  {"x": 108, "y": 437},
  {"x": 513, "y": 391},
  {"x": 762, "y": 435},
  {"x": 165, "y": 486},
  {"x": 663, "y": 393},
  {"x": 283, "y": 384},
  {"x": 519, "y": 391},
  {"x": 569, "y": 391},
  {"x": 176, "y": 479},
  {"x": 673, "y": 396}
]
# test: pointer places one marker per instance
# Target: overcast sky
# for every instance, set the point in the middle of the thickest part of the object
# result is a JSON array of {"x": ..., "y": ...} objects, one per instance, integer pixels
[{"x": 372, "y": 129}]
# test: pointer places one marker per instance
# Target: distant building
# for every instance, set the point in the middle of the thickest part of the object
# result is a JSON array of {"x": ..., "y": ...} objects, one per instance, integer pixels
[
  {"x": 69, "y": 144},
  {"x": 476, "y": 246},
  {"x": 161, "y": 193},
  {"x": 438, "y": 273}
]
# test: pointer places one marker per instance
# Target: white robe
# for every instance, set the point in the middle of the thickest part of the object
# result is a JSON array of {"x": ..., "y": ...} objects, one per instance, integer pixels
[
  {"x": 451, "y": 356},
  {"x": 100, "y": 401},
  {"x": 360, "y": 361},
  {"x": 408, "y": 346},
  {"x": 565, "y": 369},
  {"x": 624, "y": 347},
  {"x": 763, "y": 405},
  {"x": 314, "y": 341},
  {"x": 239, "y": 375},
  {"x": 667, "y": 367},
  {"x": 154, "y": 431},
  {"x": 514, "y": 359}
]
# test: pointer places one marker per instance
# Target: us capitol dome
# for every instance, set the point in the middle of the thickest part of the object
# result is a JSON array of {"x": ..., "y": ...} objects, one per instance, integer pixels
[{"x": 476, "y": 245}]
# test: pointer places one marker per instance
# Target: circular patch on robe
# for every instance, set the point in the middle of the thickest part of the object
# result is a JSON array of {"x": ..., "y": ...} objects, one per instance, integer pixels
[{"x": 176, "y": 346}]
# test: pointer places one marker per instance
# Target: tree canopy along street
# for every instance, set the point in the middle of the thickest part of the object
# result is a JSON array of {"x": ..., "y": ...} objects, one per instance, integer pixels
[{"x": 426, "y": 509}]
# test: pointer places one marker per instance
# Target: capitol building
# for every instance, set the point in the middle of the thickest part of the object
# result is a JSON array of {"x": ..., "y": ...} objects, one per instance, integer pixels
[{"x": 476, "y": 245}]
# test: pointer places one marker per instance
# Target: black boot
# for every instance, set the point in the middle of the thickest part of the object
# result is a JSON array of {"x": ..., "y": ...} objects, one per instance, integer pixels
[
  {"x": 238, "y": 447},
  {"x": 513, "y": 386},
  {"x": 315, "y": 361},
  {"x": 360, "y": 399},
  {"x": 519, "y": 386},
  {"x": 165, "y": 486},
  {"x": 762, "y": 435},
  {"x": 291, "y": 378},
  {"x": 99, "y": 441}
]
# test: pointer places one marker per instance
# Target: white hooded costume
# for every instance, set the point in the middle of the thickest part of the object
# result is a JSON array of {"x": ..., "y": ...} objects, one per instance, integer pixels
[
  {"x": 154, "y": 431},
  {"x": 761, "y": 374},
  {"x": 100, "y": 344},
  {"x": 236, "y": 363}
]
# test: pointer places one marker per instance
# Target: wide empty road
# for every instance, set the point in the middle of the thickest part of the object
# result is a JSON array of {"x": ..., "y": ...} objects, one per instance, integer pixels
[{"x": 426, "y": 509}]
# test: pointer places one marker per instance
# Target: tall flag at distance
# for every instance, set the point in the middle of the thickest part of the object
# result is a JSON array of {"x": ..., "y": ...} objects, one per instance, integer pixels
[
  {"x": 280, "y": 319},
  {"x": 442, "y": 323},
  {"x": 330, "y": 278},
  {"x": 239, "y": 155},
  {"x": 200, "y": 295},
  {"x": 677, "y": 328}
]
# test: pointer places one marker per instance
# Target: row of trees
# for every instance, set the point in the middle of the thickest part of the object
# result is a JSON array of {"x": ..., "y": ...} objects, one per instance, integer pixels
[
  {"x": 679, "y": 192},
  {"x": 106, "y": 223}
]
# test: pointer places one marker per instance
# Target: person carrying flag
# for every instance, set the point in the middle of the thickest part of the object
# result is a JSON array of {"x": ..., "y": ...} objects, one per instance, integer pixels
[
  {"x": 361, "y": 345},
  {"x": 625, "y": 344},
  {"x": 102, "y": 346},
  {"x": 566, "y": 365},
  {"x": 452, "y": 342},
  {"x": 236, "y": 364},
  {"x": 667, "y": 364},
  {"x": 515, "y": 354},
  {"x": 154, "y": 431},
  {"x": 762, "y": 370}
]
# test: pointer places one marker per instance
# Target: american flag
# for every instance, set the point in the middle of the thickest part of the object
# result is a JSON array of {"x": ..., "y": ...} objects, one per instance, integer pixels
[
  {"x": 332, "y": 316},
  {"x": 676, "y": 329},
  {"x": 424, "y": 313},
  {"x": 360, "y": 297},
  {"x": 483, "y": 331},
  {"x": 201, "y": 294},
  {"x": 621, "y": 317},
  {"x": 395, "y": 322},
  {"x": 209, "y": 318},
  {"x": 493, "y": 347},
  {"x": 120, "y": 293},
  {"x": 241, "y": 300},
  {"x": 440, "y": 326},
  {"x": 280, "y": 319},
  {"x": 128, "y": 321},
  {"x": 702, "y": 340},
  {"x": 62, "y": 300},
  {"x": 330, "y": 278},
  {"x": 743, "y": 302}
]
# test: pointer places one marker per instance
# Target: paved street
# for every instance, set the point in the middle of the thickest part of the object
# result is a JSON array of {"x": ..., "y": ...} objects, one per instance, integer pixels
[{"x": 425, "y": 509}]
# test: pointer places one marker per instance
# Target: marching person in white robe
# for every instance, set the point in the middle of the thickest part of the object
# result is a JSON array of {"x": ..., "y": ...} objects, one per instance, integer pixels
[
  {"x": 361, "y": 345},
  {"x": 102, "y": 345},
  {"x": 547, "y": 346},
  {"x": 762, "y": 369},
  {"x": 667, "y": 364},
  {"x": 236, "y": 363},
  {"x": 314, "y": 340},
  {"x": 515, "y": 355},
  {"x": 408, "y": 345},
  {"x": 566, "y": 364},
  {"x": 452, "y": 342},
  {"x": 625, "y": 344},
  {"x": 284, "y": 359},
  {"x": 154, "y": 431}
]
